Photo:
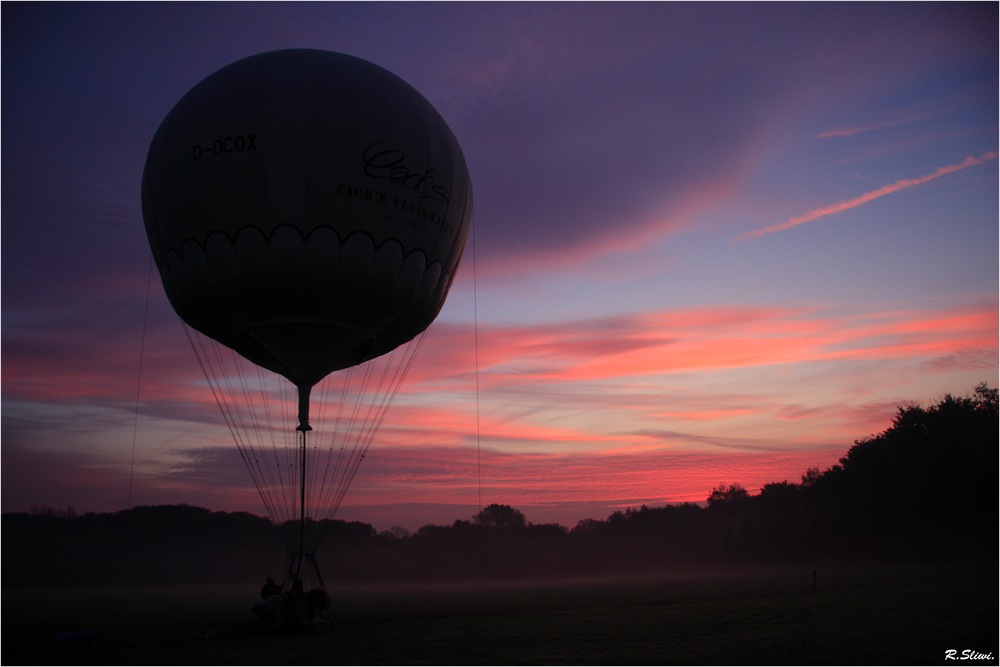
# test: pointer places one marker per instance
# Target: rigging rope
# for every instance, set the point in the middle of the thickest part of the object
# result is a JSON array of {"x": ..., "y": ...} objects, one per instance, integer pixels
[
  {"x": 230, "y": 416},
  {"x": 395, "y": 370},
  {"x": 138, "y": 382},
  {"x": 335, "y": 452},
  {"x": 135, "y": 423},
  {"x": 475, "y": 337}
]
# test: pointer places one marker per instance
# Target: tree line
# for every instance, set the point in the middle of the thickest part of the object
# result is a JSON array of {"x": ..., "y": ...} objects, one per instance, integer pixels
[{"x": 924, "y": 489}]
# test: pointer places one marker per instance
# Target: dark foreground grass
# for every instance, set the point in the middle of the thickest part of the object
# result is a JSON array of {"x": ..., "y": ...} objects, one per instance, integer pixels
[{"x": 856, "y": 615}]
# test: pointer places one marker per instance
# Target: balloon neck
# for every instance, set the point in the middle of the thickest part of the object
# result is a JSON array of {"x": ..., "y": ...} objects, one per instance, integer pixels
[{"x": 304, "y": 408}]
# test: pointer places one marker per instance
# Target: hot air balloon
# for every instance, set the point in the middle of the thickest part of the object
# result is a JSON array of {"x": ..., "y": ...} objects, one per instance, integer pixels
[{"x": 307, "y": 210}]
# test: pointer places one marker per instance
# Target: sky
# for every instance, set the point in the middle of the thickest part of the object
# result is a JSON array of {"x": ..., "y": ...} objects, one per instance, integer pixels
[{"x": 713, "y": 244}]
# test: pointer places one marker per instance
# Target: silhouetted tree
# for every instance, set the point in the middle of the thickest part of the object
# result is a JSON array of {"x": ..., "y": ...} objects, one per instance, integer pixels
[
  {"x": 396, "y": 532},
  {"x": 584, "y": 526},
  {"x": 733, "y": 495},
  {"x": 500, "y": 517}
]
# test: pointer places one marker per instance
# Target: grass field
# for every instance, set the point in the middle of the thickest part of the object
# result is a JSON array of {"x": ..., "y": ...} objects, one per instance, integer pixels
[{"x": 855, "y": 615}]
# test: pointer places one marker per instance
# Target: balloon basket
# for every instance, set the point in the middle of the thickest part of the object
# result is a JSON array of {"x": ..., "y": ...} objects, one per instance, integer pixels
[{"x": 302, "y": 567}]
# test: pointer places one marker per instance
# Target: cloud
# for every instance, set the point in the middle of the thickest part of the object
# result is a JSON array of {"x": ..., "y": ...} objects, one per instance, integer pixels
[
  {"x": 719, "y": 379},
  {"x": 93, "y": 483},
  {"x": 849, "y": 132},
  {"x": 901, "y": 184},
  {"x": 546, "y": 383},
  {"x": 683, "y": 340},
  {"x": 912, "y": 114}
]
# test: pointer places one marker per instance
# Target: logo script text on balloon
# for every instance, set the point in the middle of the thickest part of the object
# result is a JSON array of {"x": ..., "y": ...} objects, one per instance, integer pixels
[{"x": 388, "y": 163}]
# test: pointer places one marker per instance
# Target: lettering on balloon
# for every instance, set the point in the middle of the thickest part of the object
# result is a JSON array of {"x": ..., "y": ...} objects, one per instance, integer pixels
[
  {"x": 363, "y": 193},
  {"x": 225, "y": 145},
  {"x": 382, "y": 162},
  {"x": 411, "y": 209}
]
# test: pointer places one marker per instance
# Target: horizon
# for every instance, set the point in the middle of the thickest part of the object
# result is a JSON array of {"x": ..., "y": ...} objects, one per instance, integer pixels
[
  {"x": 394, "y": 515},
  {"x": 710, "y": 246}
]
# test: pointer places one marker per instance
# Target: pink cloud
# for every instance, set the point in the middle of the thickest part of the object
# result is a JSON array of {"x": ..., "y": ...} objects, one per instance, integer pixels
[
  {"x": 901, "y": 184},
  {"x": 847, "y": 132},
  {"x": 562, "y": 358},
  {"x": 905, "y": 119},
  {"x": 529, "y": 374},
  {"x": 911, "y": 114},
  {"x": 448, "y": 426},
  {"x": 719, "y": 338}
]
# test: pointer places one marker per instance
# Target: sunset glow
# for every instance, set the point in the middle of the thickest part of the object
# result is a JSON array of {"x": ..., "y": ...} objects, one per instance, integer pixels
[{"x": 615, "y": 335}]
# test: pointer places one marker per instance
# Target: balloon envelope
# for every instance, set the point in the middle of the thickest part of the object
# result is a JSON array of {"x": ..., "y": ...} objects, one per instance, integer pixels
[{"x": 307, "y": 209}]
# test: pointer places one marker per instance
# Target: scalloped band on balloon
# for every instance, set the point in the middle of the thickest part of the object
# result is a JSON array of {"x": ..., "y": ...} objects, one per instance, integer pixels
[{"x": 304, "y": 307}]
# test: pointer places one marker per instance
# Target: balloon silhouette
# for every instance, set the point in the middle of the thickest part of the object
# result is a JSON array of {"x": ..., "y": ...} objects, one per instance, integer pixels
[{"x": 307, "y": 209}]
